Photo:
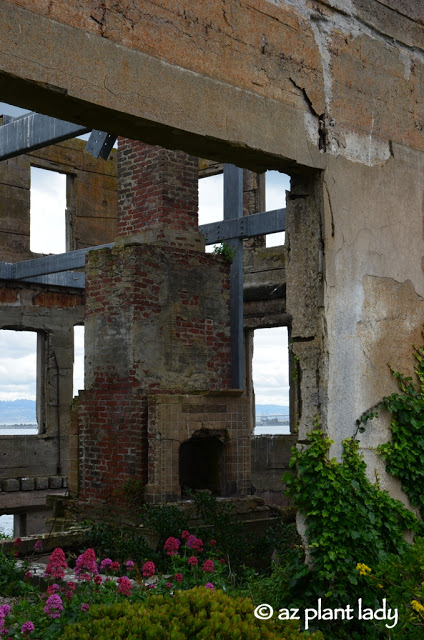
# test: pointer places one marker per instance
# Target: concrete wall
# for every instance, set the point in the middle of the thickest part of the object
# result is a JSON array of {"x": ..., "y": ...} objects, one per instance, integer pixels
[
  {"x": 327, "y": 90},
  {"x": 91, "y": 187}
]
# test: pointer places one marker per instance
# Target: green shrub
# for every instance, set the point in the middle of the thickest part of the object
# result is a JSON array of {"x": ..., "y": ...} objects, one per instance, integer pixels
[
  {"x": 199, "y": 614},
  {"x": 400, "y": 579},
  {"x": 11, "y": 577},
  {"x": 118, "y": 542}
]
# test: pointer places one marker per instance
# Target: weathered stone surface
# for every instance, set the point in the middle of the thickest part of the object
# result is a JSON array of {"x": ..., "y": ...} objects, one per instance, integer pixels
[
  {"x": 11, "y": 484},
  {"x": 41, "y": 483},
  {"x": 27, "y": 484},
  {"x": 55, "y": 482}
]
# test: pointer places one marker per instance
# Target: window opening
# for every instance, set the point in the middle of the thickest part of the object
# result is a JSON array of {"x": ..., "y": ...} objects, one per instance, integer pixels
[
  {"x": 18, "y": 382},
  {"x": 48, "y": 206},
  {"x": 78, "y": 359},
  {"x": 270, "y": 372},
  {"x": 6, "y": 525},
  {"x": 211, "y": 201},
  {"x": 276, "y": 185}
]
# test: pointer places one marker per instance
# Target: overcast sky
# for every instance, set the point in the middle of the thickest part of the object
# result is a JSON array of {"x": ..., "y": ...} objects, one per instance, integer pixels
[{"x": 48, "y": 202}]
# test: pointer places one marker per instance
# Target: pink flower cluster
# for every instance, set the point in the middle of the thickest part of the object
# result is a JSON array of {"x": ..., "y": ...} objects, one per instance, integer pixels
[
  {"x": 148, "y": 569},
  {"x": 86, "y": 565},
  {"x": 38, "y": 546},
  {"x": 208, "y": 566},
  {"x": 56, "y": 565},
  {"x": 171, "y": 546},
  {"x": 4, "y": 611},
  {"x": 53, "y": 606},
  {"x": 107, "y": 564},
  {"x": 194, "y": 543},
  {"x": 124, "y": 586},
  {"x": 27, "y": 627}
]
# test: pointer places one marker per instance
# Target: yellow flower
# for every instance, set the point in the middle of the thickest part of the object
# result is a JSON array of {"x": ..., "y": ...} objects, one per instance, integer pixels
[
  {"x": 417, "y": 606},
  {"x": 363, "y": 569}
]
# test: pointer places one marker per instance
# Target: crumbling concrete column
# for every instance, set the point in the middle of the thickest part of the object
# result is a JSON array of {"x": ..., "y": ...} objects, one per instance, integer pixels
[{"x": 304, "y": 265}]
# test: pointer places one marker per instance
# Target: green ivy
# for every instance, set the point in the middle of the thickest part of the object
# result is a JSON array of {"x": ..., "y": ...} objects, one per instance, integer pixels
[
  {"x": 404, "y": 454},
  {"x": 348, "y": 519},
  {"x": 225, "y": 250}
]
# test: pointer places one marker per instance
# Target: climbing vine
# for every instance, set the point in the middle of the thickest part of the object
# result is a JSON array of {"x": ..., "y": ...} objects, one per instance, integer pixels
[
  {"x": 404, "y": 454},
  {"x": 348, "y": 519}
]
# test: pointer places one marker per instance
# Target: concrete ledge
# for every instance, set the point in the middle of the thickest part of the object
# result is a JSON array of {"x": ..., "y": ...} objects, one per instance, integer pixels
[{"x": 14, "y": 500}]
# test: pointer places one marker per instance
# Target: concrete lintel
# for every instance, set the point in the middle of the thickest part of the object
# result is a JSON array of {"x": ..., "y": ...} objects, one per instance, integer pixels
[{"x": 257, "y": 132}]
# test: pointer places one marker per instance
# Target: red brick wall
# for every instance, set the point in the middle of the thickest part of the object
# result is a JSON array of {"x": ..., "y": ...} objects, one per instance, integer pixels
[{"x": 156, "y": 187}]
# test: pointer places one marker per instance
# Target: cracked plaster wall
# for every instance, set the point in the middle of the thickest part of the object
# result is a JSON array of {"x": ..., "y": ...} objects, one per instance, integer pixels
[{"x": 374, "y": 287}]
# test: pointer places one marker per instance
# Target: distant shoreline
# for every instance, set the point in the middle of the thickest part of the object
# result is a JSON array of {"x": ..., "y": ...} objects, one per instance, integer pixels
[{"x": 25, "y": 425}]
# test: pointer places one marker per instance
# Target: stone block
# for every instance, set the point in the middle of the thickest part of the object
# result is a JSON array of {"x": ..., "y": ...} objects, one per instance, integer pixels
[
  {"x": 55, "y": 482},
  {"x": 11, "y": 484},
  {"x": 41, "y": 483},
  {"x": 27, "y": 484}
]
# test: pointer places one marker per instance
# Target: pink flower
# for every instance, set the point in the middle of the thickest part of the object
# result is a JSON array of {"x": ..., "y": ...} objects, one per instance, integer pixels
[
  {"x": 193, "y": 561},
  {"x": 56, "y": 565},
  {"x": 124, "y": 586},
  {"x": 185, "y": 535},
  {"x": 178, "y": 577},
  {"x": 194, "y": 543},
  {"x": 115, "y": 566},
  {"x": 129, "y": 565},
  {"x": 38, "y": 546},
  {"x": 27, "y": 627},
  {"x": 209, "y": 585},
  {"x": 18, "y": 542},
  {"x": 222, "y": 560},
  {"x": 53, "y": 606},
  {"x": 71, "y": 585},
  {"x": 105, "y": 564},
  {"x": 28, "y": 574},
  {"x": 151, "y": 586},
  {"x": 85, "y": 607},
  {"x": 86, "y": 565},
  {"x": 98, "y": 579},
  {"x": 148, "y": 569},
  {"x": 4, "y": 610},
  {"x": 69, "y": 595},
  {"x": 168, "y": 585},
  {"x": 208, "y": 566},
  {"x": 212, "y": 542},
  {"x": 171, "y": 546},
  {"x": 53, "y": 588}
]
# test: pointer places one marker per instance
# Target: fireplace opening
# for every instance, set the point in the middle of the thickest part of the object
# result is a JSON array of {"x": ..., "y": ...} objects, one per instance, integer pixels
[{"x": 202, "y": 463}]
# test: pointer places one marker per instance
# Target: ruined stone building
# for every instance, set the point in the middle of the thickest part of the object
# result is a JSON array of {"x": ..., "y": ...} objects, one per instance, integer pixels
[{"x": 327, "y": 91}]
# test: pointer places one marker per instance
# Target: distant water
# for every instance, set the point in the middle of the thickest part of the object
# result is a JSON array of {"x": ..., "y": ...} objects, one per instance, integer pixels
[
  {"x": 283, "y": 429},
  {"x": 18, "y": 430}
]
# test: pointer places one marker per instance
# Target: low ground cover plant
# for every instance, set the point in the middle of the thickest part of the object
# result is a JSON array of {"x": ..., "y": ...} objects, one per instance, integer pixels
[{"x": 198, "y": 613}]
